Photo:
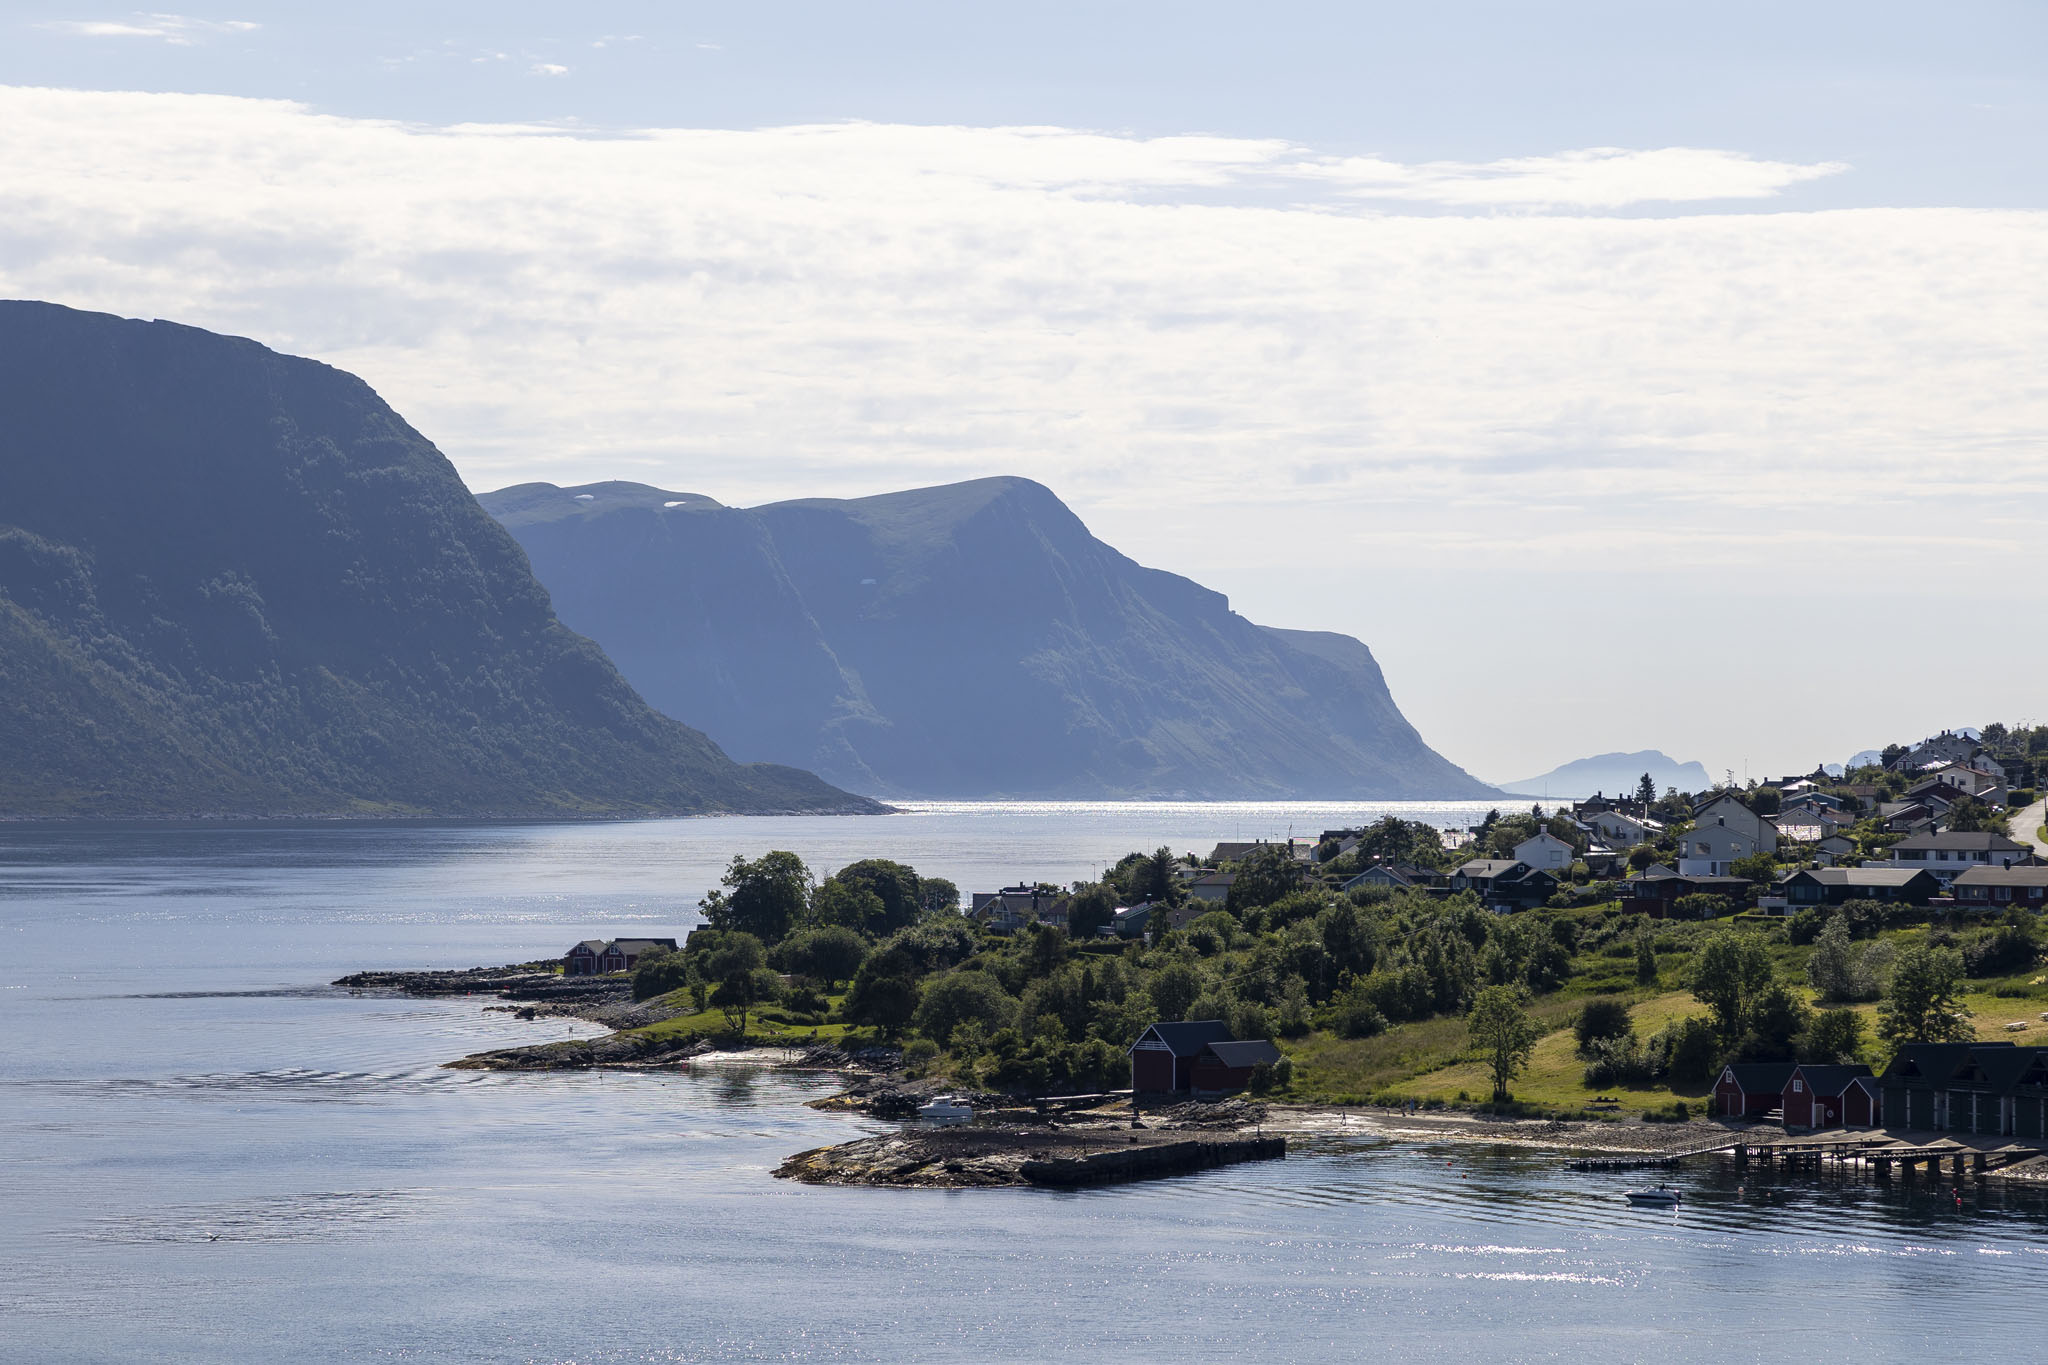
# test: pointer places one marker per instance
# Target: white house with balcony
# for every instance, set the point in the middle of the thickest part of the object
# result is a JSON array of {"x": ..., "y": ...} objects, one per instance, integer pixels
[{"x": 1950, "y": 853}]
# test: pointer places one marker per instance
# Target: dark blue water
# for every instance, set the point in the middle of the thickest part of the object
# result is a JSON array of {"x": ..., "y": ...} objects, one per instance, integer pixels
[{"x": 206, "y": 1155}]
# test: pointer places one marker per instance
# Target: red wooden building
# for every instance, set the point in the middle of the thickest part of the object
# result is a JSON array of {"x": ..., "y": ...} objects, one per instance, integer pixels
[
  {"x": 1821, "y": 1096},
  {"x": 1751, "y": 1089},
  {"x": 1196, "y": 1055}
]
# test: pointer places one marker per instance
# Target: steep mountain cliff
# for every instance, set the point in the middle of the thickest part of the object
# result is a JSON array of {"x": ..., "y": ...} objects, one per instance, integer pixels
[
  {"x": 971, "y": 640},
  {"x": 236, "y": 582}
]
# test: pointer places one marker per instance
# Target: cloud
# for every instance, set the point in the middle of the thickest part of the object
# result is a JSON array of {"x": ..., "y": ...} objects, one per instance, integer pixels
[
  {"x": 549, "y": 69},
  {"x": 178, "y": 29},
  {"x": 857, "y": 306},
  {"x": 1595, "y": 177}
]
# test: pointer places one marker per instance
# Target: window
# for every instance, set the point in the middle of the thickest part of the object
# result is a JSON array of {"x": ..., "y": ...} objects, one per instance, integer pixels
[{"x": 1799, "y": 1087}]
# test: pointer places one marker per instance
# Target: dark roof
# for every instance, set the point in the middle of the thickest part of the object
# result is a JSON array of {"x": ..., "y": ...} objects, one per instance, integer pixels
[
  {"x": 1236, "y": 1055},
  {"x": 1762, "y": 1078},
  {"x": 1973, "y": 841},
  {"x": 641, "y": 945},
  {"x": 1828, "y": 1079},
  {"x": 592, "y": 945},
  {"x": 1860, "y": 876},
  {"x": 2004, "y": 876},
  {"x": 1930, "y": 1062},
  {"x": 1190, "y": 1038},
  {"x": 1488, "y": 867}
]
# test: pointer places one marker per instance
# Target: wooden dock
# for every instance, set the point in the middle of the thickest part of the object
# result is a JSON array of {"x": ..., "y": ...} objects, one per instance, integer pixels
[{"x": 1875, "y": 1152}]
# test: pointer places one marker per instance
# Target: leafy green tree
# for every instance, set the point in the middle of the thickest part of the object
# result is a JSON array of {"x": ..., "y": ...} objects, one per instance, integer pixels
[
  {"x": 1923, "y": 1004},
  {"x": 939, "y": 896},
  {"x": 1766, "y": 800},
  {"x": 1646, "y": 791},
  {"x": 960, "y": 997},
  {"x": 1174, "y": 990},
  {"x": 1831, "y": 969},
  {"x": 659, "y": 973},
  {"x": 848, "y": 905},
  {"x": 739, "y": 968},
  {"x": 1729, "y": 972},
  {"x": 831, "y": 954},
  {"x": 1691, "y": 1051},
  {"x": 1834, "y": 1036},
  {"x": 1761, "y": 868},
  {"x": 897, "y": 887},
  {"x": 1646, "y": 957},
  {"x": 765, "y": 897},
  {"x": 882, "y": 1000},
  {"x": 1265, "y": 875},
  {"x": 1089, "y": 911},
  {"x": 1502, "y": 1033},
  {"x": 1156, "y": 877},
  {"x": 1600, "y": 1018},
  {"x": 1778, "y": 1020}
]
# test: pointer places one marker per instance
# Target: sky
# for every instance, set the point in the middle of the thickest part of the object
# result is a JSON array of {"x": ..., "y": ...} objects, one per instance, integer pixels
[{"x": 1626, "y": 375}]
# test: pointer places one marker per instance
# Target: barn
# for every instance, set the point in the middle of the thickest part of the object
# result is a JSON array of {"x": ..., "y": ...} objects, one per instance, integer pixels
[
  {"x": 1829, "y": 1096},
  {"x": 1196, "y": 1055},
  {"x": 1750, "y": 1090}
]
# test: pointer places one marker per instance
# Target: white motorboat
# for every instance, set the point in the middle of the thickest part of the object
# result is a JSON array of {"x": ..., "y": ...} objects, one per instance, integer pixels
[
  {"x": 1662, "y": 1196},
  {"x": 945, "y": 1111}
]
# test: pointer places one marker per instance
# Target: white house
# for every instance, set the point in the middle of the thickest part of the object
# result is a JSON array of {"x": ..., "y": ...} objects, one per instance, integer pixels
[
  {"x": 1622, "y": 830},
  {"x": 1947, "y": 853},
  {"x": 1545, "y": 850},
  {"x": 1723, "y": 830}
]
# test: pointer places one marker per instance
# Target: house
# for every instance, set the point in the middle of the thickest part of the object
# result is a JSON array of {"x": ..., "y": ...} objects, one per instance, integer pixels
[
  {"x": 1750, "y": 1090},
  {"x": 1506, "y": 883},
  {"x": 1993, "y": 1089},
  {"x": 1833, "y": 849},
  {"x": 1947, "y": 853},
  {"x": 1813, "y": 799},
  {"x": 1656, "y": 889},
  {"x": 1618, "y": 827},
  {"x": 1546, "y": 850},
  {"x": 1214, "y": 888},
  {"x": 1946, "y": 747},
  {"x": 1181, "y": 916},
  {"x": 1131, "y": 921},
  {"x": 1199, "y": 1055},
  {"x": 1011, "y": 908},
  {"x": 1830, "y": 1096},
  {"x": 1301, "y": 850},
  {"x": 1723, "y": 830},
  {"x": 1395, "y": 877},
  {"x": 1998, "y": 888},
  {"x": 595, "y": 957},
  {"x": 1833, "y": 885}
]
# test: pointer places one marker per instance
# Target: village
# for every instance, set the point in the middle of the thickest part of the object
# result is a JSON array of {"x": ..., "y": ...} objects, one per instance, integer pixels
[{"x": 1802, "y": 913}]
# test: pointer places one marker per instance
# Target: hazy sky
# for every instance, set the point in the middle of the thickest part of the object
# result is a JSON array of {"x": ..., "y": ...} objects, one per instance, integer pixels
[{"x": 1626, "y": 375}]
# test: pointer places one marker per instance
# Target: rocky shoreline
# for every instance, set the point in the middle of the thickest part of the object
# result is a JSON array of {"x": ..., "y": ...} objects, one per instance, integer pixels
[{"x": 983, "y": 1156}]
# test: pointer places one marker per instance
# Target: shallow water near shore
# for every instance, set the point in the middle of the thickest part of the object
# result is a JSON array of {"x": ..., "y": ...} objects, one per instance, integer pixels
[{"x": 206, "y": 1154}]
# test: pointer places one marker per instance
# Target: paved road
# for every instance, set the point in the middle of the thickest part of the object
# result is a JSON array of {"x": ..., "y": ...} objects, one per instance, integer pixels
[{"x": 2027, "y": 823}]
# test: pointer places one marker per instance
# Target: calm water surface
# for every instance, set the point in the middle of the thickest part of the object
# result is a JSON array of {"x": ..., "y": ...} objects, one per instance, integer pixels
[{"x": 205, "y": 1154}]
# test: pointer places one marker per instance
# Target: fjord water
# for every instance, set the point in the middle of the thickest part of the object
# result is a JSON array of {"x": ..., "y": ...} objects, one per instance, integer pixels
[{"x": 208, "y": 1154}]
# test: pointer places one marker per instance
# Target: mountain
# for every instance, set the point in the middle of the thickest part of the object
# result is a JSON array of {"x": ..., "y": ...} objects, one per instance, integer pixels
[
  {"x": 233, "y": 582},
  {"x": 1613, "y": 774},
  {"x": 972, "y": 640}
]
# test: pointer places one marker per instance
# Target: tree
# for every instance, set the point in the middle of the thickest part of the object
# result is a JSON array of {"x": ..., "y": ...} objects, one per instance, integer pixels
[
  {"x": 1831, "y": 970},
  {"x": 1729, "y": 973},
  {"x": 739, "y": 965},
  {"x": 1834, "y": 1036},
  {"x": 1174, "y": 990},
  {"x": 1646, "y": 957},
  {"x": 1602, "y": 1017},
  {"x": 897, "y": 887},
  {"x": 831, "y": 953},
  {"x": 659, "y": 973},
  {"x": 1646, "y": 792},
  {"x": 1757, "y": 867},
  {"x": 1766, "y": 800},
  {"x": 959, "y": 997},
  {"x": 1502, "y": 1033},
  {"x": 764, "y": 898},
  {"x": 848, "y": 905},
  {"x": 1089, "y": 911},
  {"x": 939, "y": 896},
  {"x": 1267, "y": 874},
  {"x": 1921, "y": 1005},
  {"x": 882, "y": 1000},
  {"x": 1778, "y": 1019}
]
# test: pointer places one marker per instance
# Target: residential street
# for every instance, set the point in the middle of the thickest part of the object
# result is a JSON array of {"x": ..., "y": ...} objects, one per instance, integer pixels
[{"x": 2027, "y": 824}]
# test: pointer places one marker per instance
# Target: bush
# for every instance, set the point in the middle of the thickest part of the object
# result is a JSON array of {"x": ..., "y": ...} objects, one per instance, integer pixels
[
  {"x": 1690, "y": 1050},
  {"x": 1619, "y": 1060},
  {"x": 951, "y": 1000},
  {"x": 658, "y": 974},
  {"x": 1601, "y": 1019},
  {"x": 1356, "y": 1016},
  {"x": 1999, "y": 952}
]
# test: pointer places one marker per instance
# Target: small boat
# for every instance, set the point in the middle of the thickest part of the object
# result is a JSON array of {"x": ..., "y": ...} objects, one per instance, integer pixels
[
  {"x": 945, "y": 1111},
  {"x": 1663, "y": 1196}
]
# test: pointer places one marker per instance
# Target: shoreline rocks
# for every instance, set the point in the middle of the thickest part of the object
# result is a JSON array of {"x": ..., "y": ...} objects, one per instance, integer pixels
[{"x": 1013, "y": 1156}]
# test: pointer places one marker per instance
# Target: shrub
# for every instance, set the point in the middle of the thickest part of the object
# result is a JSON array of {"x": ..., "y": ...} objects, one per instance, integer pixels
[
  {"x": 1600, "y": 1019},
  {"x": 951, "y": 1000},
  {"x": 1619, "y": 1060}
]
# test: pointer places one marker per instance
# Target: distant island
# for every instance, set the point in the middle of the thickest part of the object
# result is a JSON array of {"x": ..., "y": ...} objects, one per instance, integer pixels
[
  {"x": 968, "y": 641},
  {"x": 1613, "y": 774},
  {"x": 236, "y": 583}
]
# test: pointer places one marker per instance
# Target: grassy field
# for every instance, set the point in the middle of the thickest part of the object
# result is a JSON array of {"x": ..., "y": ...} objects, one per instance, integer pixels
[{"x": 771, "y": 1026}]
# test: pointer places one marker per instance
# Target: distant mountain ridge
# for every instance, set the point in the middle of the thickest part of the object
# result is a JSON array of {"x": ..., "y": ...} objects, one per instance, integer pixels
[
  {"x": 1614, "y": 774},
  {"x": 969, "y": 640},
  {"x": 234, "y": 582}
]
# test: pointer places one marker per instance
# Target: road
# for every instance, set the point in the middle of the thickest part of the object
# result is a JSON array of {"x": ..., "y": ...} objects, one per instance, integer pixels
[{"x": 2026, "y": 826}]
